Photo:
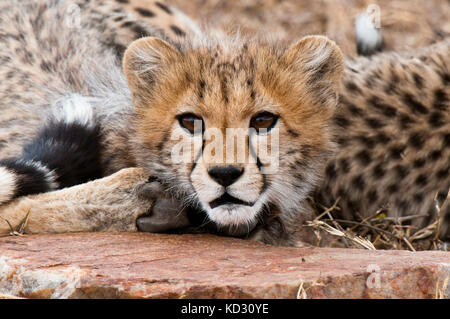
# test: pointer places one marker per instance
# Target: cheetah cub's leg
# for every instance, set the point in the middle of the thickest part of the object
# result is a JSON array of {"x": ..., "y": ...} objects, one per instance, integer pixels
[
  {"x": 112, "y": 203},
  {"x": 65, "y": 153}
]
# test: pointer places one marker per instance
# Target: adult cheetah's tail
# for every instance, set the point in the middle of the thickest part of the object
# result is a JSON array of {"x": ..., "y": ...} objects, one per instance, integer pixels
[
  {"x": 65, "y": 152},
  {"x": 368, "y": 36}
]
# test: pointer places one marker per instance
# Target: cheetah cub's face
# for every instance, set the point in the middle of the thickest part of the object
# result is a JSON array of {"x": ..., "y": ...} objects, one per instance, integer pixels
[{"x": 233, "y": 125}]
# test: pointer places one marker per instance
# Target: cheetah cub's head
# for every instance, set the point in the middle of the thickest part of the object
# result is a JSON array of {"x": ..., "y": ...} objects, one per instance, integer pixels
[{"x": 234, "y": 126}]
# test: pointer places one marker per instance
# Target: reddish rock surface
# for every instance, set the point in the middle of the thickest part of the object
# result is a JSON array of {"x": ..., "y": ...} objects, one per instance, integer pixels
[{"x": 136, "y": 265}]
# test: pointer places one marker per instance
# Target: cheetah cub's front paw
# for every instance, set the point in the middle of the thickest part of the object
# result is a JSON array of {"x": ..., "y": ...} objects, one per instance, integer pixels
[{"x": 166, "y": 214}]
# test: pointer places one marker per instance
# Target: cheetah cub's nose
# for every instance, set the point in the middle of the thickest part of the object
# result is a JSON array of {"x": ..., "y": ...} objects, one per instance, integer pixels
[{"x": 225, "y": 175}]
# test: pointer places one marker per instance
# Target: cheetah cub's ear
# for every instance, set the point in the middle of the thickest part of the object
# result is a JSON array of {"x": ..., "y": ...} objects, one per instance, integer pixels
[
  {"x": 145, "y": 61},
  {"x": 317, "y": 64}
]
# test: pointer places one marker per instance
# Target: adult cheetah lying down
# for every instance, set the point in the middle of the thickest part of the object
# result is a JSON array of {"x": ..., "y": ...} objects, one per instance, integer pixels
[{"x": 377, "y": 128}]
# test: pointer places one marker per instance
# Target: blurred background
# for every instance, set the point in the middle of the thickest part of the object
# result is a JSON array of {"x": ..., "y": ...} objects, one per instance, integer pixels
[{"x": 404, "y": 23}]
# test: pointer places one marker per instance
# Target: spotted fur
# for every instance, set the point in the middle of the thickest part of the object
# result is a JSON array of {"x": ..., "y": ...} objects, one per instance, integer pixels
[
  {"x": 50, "y": 77},
  {"x": 387, "y": 119},
  {"x": 393, "y": 132}
]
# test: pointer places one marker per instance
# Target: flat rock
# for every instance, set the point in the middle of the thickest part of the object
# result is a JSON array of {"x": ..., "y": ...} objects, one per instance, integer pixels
[{"x": 141, "y": 265}]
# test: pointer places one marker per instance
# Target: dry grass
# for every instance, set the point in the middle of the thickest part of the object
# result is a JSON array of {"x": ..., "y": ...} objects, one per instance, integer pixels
[
  {"x": 20, "y": 228},
  {"x": 379, "y": 231}
]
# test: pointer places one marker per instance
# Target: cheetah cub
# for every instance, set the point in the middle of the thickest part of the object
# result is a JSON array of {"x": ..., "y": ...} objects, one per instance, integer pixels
[{"x": 230, "y": 135}]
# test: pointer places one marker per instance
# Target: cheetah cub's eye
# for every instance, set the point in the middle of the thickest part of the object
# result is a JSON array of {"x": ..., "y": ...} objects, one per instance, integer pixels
[
  {"x": 264, "y": 120},
  {"x": 191, "y": 122}
]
